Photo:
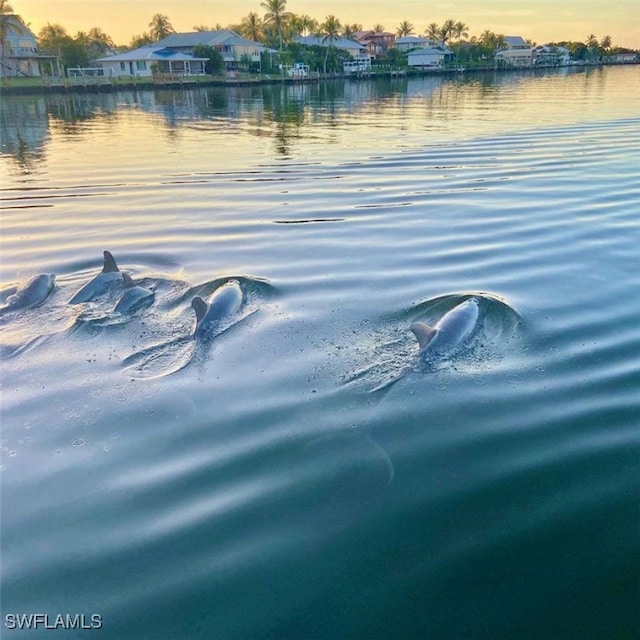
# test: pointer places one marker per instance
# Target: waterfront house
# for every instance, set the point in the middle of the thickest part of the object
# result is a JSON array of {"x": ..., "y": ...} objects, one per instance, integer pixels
[
  {"x": 353, "y": 48},
  {"x": 625, "y": 58},
  {"x": 145, "y": 61},
  {"x": 517, "y": 52},
  {"x": 429, "y": 58},
  {"x": 407, "y": 43},
  {"x": 377, "y": 43},
  {"x": 19, "y": 54},
  {"x": 234, "y": 48},
  {"x": 547, "y": 55}
]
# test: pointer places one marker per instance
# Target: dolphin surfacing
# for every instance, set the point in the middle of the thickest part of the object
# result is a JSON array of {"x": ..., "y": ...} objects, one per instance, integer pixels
[
  {"x": 452, "y": 331},
  {"x": 135, "y": 297},
  {"x": 109, "y": 275},
  {"x": 224, "y": 303},
  {"x": 33, "y": 294}
]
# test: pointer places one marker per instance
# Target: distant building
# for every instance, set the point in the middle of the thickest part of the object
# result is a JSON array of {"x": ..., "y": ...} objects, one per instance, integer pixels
[
  {"x": 625, "y": 58},
  {"x": 414, "y": 42},
  {"x": 352, "y": 47},
  {"x": 377, "y": 43},
  {"x": 143, "y": 62},
  {"x": 429, "y": 58},
  {"x": 233, "y": 47},
  {"x": 20, "y": 56},
  {"x": 547, "y": 55},
  {"x": 517, "y": 52}
]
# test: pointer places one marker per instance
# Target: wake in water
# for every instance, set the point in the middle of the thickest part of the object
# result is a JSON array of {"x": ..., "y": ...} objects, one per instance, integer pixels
[
  {"x": 152, "y": 310},
  {"x": 395, "y": 351},
  {"x": 176, "y": 353}
]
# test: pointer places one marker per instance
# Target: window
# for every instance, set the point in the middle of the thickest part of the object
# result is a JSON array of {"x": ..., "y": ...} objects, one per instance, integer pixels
[
  {"x": 141, "y": 65},
  {"x": 123, "y": 66}
]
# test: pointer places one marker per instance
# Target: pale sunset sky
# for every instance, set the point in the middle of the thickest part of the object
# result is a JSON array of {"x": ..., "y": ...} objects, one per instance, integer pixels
[{"x": 540, "y": 20}]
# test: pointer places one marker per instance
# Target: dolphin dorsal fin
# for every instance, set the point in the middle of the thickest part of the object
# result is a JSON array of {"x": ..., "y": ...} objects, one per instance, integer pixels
[
  {"x": 128, "y": 280},
  {"x": 109, "y": 263},
  {"x": 200, "y": 307},
  {"x": 424, "y": 333}
]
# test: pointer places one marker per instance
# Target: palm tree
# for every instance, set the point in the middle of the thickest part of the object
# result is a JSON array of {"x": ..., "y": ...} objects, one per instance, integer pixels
[
  {"x": 404, "y": 29},
  {"x": 252, "y": 27},
  {"x": 99, "y": 41},
  {"x": 592, "y": 41},
  {"x": 160, "y": 27},
  {"x": 605, "y": 43},
  {"x": 461, "y": 30},
  {"x": 52, "y": 36},
  {"x": 143, "y": 40},
  {"x": 349, "y": 29},
  {"x": 276, "y": 16},
  {"x": 330, "y": 32},
  {"x": 201, "y": 27},
  {"x": 447, "y": 30},
  {"x": 433, "y": 32},
  {"x": 304, "y": 25},
  {"x": 378, "y": 28}
]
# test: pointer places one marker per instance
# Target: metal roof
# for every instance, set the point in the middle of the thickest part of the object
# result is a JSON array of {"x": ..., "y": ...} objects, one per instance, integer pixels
[
  {"x": 210, "y": 38},
  {"x": 149, "y": 53},
  {"x": 340, "y": 43}
]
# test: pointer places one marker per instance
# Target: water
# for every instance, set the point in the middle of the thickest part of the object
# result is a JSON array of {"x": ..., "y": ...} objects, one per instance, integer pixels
[{"x": 304, "y": 474}]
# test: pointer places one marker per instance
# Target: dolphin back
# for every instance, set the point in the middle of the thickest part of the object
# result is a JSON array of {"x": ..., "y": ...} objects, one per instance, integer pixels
[
  {"x": 224, "y": 303},
  {"x": 33, "y": 293},
  {"x": 101, "y": 283},
  {"x": 452, "y": 330}
]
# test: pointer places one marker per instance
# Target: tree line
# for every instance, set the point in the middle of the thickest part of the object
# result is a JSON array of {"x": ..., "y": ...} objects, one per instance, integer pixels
[{"x": 278, "y": 28}]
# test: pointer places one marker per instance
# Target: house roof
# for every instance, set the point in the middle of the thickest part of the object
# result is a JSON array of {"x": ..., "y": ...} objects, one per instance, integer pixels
[
  {"x": 516, "y": 41},
  {"x": 340, "y": 43},
  {"x": 430, "y": 51},
  {"x": 149, "y": 53},
  {"x": 411, "y": 40},
  {"x": 211, "y": 38},
  {"x": 15, "y": 27}
]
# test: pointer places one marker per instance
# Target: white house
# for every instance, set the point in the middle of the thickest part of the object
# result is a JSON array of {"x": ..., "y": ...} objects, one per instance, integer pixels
[
  {"x": 19, "y": 55},
  {"x": 429, "y": 58},
  {"x": 551, "y": 55},
  {"x": 233, "y": 47},
  {"x": 517, "y": 52},
  {"x": 144, "y": 61},
  {"x": 353, "y": 48}
]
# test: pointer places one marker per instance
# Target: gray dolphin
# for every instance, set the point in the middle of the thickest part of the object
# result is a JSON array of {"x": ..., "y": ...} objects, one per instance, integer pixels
[
  {"x": 135, "y": 297},
  {"x": 32, "y": 294},
  {"x": 109, "y": 275},
  {"x": 224, "y": 303},
  {"x": 452, "y": 331}
]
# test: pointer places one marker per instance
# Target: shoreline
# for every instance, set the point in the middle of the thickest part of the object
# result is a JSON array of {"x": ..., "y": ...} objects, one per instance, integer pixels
[{"x": 113, "y": 85}]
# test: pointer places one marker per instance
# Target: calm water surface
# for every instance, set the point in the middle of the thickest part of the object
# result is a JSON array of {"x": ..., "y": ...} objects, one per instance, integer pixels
[{"x": 304, "y": 474}]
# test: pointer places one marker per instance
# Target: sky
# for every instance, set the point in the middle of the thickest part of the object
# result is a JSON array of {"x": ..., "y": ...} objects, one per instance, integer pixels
[{"x": 539, "y": 20}]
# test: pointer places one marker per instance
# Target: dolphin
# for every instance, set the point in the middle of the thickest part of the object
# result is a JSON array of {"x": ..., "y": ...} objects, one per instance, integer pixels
[
  {"x": 224, "y": 303},
  {"x": 102, "y": 282},
  {"x": 452, "y": 331},
  {"x": 135, "y": 297},
  {"x": 33, "y": 293}
]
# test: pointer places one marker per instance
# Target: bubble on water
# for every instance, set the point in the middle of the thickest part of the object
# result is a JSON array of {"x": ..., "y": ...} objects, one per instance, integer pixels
[
  {"x": 78, "y": 442},
  {"x": 13, "y": 453},
  {"x": 57, "y": 452}
]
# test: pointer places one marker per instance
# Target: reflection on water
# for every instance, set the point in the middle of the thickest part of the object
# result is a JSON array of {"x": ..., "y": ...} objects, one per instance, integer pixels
[{"x": 288, "y": 114}]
